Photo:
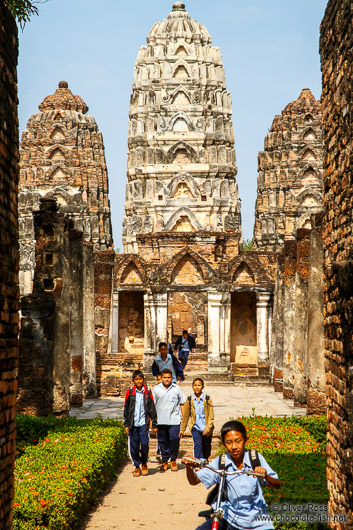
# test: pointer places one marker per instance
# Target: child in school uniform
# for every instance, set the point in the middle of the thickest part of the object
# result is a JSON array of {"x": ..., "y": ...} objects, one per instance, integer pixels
[
  {"x": 244, "y": 507},
  {"x": 199, "y": 411},
  {"x": 139, "y": 411},
  {"x": 169, "y": 400}
]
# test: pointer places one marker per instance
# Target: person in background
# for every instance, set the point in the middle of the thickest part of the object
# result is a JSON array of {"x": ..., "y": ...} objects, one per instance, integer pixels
[
  {"x": 185, "y": 344},
  {"x": 167, "y": 360}
]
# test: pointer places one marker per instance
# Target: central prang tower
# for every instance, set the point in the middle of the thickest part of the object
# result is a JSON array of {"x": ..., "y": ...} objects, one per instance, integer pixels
[{"x": 181, "y": 161}]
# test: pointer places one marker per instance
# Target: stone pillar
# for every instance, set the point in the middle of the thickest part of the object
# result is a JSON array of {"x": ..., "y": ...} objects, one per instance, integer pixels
[
  {"x": 161, "y": 308},
  {"x": 149, "y": 330},
  {"x": 262, "y": 317},
  {"x": 89, "y": 346},
  {"x": 219, "y": 306},
  {"x": 115, "y": 323}
]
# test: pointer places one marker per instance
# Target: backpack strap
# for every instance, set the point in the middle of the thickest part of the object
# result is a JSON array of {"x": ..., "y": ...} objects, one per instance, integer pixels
[
  {"x": 207, "y": 398},
  {"x": 213, "y": 494},
  {"x": 189, "y": 400},
  {"x": 255, "y": 462}
]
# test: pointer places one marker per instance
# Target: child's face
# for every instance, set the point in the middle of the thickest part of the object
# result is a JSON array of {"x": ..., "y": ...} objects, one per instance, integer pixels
[
  {"x": 163, "y": 350},
  {"x": 138, "y": 381},
  {"x": 166, "y": 380},
  {"x": 197, "y": 387},
  {"x": 234, "y": 442}
]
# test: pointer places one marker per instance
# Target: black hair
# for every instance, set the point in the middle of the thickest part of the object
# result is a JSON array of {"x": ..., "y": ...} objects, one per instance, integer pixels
[
  {"x": 185, "y": 331},
  {"x": 162, "y": 344},
  {"x": 199, "y": 379},
  {"x": 233, "y": 425},
  {"x": 137, "y": 373},
  {"x": 166, "y": 371}
]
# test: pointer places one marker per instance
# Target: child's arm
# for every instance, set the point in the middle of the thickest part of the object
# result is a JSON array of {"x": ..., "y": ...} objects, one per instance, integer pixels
[
  {"x": 210, "y": 419},
  {"x": 193, "y": 479},
  {"x": 185, "y": 420}
]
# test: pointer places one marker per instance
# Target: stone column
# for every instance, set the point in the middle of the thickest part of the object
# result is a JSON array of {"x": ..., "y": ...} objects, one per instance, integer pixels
[
  {"x": 219, "y": 305},
  {"x": 161, "y": 308},
  {"x": 89, "y": 345},
  {"x": 149, "y": 330},
  {"x": 262, "y": 316},
  {"x": 115, "y": 323}
]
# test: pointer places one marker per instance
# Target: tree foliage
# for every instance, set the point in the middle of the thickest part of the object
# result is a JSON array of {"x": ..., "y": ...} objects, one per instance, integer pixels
[{"x": 23, "y": 9}]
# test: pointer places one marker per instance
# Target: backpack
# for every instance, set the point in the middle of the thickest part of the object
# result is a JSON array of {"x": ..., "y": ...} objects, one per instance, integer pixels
[
  {"x": 213, "y": 494},
  {"x": 206, "y": 399},
  {"x": 148, "y": 394}
]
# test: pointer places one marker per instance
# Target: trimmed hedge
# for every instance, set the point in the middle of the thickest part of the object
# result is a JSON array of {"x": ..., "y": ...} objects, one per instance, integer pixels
[{"x": 60, "y": 475}]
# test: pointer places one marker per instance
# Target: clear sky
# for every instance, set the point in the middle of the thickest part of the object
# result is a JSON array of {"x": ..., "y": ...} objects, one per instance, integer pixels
[{"x": 270, "y": 51}]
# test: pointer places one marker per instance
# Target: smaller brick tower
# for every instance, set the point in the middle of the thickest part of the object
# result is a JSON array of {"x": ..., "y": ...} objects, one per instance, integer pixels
[
  {"x": 62, "y": 157},
  {"x": 290, "y": 173}
]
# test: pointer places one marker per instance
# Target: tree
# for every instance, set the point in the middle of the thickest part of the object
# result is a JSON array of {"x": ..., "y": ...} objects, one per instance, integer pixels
[{"x": 23, "y": 9}]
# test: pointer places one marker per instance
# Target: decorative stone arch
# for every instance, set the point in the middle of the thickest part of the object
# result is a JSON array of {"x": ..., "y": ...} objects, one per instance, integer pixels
[
  {"x": 308, "y": 154},
  {"x": 189, "y": 181},
  {"x": 251, "y": 266},
  {"x": 181, "y": 45},
  {"x": 181, "y": 146},
  {"x": 56, "y": 149},
  {"x": 58, "y": 172},
  {"x": 183, "y": 211},
  {"x": 308, "y": 117},
  {"x": 309, "y": 175},
  {"x": 58, "y": 132},
  {"x": 309, "y": 192},
  {"x": 125, "y": 270},
  {"x": 63, "y": 197},
  {"x": 243, "y": 275},
  {"x": 178, "y": 116},
  {"x": 182, "y": 66},
  {"x": 167, "y": 270},
  {"x": 178, "y": 91},
  {"x": 309, "y": 134},
  {"x": 304, "y": 221},
  {"x": 187, "y": 271}
]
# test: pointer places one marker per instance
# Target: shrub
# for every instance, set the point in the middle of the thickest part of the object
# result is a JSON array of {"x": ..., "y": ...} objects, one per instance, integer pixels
[{"x": 59, "y": 477}]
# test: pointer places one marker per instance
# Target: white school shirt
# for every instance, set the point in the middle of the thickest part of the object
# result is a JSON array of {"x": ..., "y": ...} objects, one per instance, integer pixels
[{"x": 167, "y": 402}]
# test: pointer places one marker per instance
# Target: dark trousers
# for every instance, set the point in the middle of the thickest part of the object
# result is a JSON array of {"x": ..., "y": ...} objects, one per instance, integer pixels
[
  {"x": 202, "y": 444},
  {"x": 168, "y": 441},
  {"x": 139, "y": 440},
  {"x": 183, "y": 358}
]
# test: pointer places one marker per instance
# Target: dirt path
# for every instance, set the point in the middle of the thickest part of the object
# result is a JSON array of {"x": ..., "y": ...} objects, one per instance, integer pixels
[{"x": 160, "y": 500}]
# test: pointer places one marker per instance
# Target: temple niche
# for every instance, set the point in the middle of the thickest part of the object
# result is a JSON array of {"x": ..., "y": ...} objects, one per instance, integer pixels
[{"x": 289, "y": 188}]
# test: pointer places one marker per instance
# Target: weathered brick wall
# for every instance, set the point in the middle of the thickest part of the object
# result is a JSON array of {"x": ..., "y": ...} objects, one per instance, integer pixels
[
  {"x": 297, "y": 350},
  {"x": 51, "y": 338},
  {"x": 336, "y": 47},
  {"x": 9, "y": 294}
]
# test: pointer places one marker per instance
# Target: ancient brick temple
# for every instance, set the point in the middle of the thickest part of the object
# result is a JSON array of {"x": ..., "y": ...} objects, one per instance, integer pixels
[
  {"x": 182, "y": 265},
  {"x": 9, "y": 293},
  {"x": 337, "y": 99},
  {"x": 290, "y": 174},
  {"x": 64, "y": 218}
]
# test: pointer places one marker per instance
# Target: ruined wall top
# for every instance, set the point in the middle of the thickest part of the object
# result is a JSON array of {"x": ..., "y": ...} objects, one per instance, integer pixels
[
  {"x": 290, "y": 173},
  {"x": 181, "y": 159}
]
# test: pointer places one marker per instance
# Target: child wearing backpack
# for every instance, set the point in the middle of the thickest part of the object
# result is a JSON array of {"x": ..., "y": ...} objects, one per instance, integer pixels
[
  {"x": 139, "y": 411},
  {"x": 243, "y": 501},
  {"x": 199, "y": 410}
]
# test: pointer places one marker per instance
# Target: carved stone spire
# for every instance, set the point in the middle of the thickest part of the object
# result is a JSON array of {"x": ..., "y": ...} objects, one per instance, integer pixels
[
  {"x": 290, "y": 173},
  {"x": 62, "y": 157},
  {"x": 181, "y": 160}
]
